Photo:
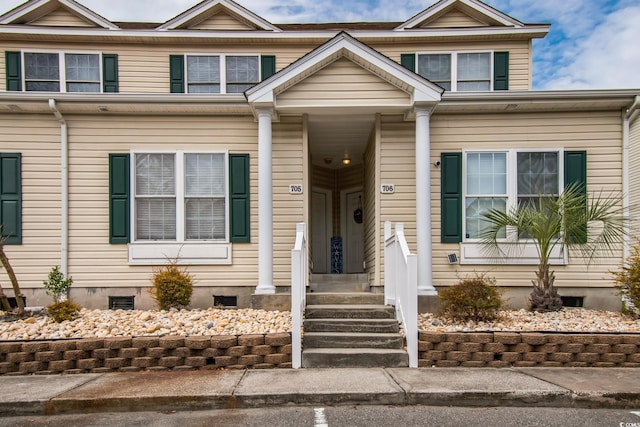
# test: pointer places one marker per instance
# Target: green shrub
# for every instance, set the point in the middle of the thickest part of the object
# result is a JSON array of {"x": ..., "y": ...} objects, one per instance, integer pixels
[
  {"x": 627, "y": 281},
  {"x": 56, "y": 285},
  {"x": 172, "y": 287},
  {"x": 473, "y": 298},
  {"x": 63, "y": 310}
]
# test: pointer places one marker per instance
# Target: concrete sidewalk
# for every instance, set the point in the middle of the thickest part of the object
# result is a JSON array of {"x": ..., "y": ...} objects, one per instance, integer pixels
[{"x": 190, "y": 390}]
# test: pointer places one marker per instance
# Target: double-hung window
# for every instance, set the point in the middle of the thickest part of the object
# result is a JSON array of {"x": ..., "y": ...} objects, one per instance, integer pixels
[
  {"x": 180, "y": 197},
  {"x": 486, "y": 185},
  {"x": 457, "y": 71},
  {"x": 62, "y": 72},
  {"x": 503, "y": 180},
  {"x": 180, "y": 208},
  {"x": 222, "y": 73}
]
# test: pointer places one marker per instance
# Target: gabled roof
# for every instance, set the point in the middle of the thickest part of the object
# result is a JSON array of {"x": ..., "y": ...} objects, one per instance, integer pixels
[
  {"x": 207, "y": 8},
  {"x": 343, "y": 45},
  {"x": 36, "y": 9},
  {"x": 474, "y": 8}
]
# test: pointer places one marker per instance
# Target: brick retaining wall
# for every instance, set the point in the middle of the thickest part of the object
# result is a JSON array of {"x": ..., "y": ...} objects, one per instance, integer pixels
[
  {"x": 98, "y": 355},
  {"x": 506, "y": 349}
]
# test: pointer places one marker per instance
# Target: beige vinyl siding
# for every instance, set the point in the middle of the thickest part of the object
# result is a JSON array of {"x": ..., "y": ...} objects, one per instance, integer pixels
[
  {"x": 371, "y": 242},
  {"x": 634, "y": 172},
  {"x": 288, "y": 209},
  {"x": 453, "y": 19},
  {"x": 519, "y": 55},
  {"x": 92, "y": 138},
  {"x": 342, "y": 83},
  {"x": 398, "y": 167},
  {"x": 597, "y": 132},
  {"x": 61, "y": 18},
  {"x": 145, "y": 70},
  {"x": 40, "y": 149},
  {"x": 221, "y": 21}
]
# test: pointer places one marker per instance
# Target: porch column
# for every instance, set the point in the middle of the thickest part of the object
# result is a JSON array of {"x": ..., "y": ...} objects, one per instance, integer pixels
[
  {"x": 423, "y": 203},
  {"x": 265, "y": 205}
]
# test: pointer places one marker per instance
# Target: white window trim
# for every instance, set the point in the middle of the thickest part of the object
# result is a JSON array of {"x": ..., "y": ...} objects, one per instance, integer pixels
[
  {"x": 185, "y": 252},
  {"x": 472, "y": 251},
  {"x": 61, "y": 66},
  {"x": 223, "y": 69},
  {"x": 454, "y": 64}
]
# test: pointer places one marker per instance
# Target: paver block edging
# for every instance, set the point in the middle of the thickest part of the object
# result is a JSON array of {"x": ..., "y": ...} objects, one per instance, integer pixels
[
  {"x": 145, "y": 353},
  {"x": 513, "y": 349}
]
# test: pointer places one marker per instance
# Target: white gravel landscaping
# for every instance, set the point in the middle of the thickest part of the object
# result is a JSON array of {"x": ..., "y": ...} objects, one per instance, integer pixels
[
  {"x": 566, "y": 320},
  {"x": 115, "y": 323}
]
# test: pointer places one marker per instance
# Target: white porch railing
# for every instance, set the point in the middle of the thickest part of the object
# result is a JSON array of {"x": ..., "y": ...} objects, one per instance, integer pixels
[
  {"x": 401, "y": 285},
  {"x": 298, "y": 292}
]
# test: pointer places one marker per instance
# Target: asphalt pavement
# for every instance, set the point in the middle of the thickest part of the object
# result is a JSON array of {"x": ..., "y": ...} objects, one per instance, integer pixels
[{"x": 219, "y": 389}]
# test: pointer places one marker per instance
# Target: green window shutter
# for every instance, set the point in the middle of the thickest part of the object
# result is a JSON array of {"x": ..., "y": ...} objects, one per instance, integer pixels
[
  {"x": 451, "y": 197},
  {"x": 176, "y": 73},
  {"x": 119, "y": 204},
  {"x": 268, "y": 66},
  {"x": 110, "y": 72},
  {"x": 11, "y": 197},
  {"x": 408, "y": 61},
  {"x": 501, "y": 71},
  {"x": 239, "y": 190},
  {"x": 575, "y": 171},
  {"x": 13, "y": 71}
]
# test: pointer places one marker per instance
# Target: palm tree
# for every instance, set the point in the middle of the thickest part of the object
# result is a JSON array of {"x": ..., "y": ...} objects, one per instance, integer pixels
[{"x": 571, "y": 220}]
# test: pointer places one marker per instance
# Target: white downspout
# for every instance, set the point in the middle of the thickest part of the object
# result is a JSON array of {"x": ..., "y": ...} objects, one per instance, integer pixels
[
  {"x": 64, "y": 188},
  {"x": 627, "y": 116}
]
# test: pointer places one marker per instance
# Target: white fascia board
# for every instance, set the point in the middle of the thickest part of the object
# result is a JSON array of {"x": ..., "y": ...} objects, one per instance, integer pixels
[
  {"x": 541, "y": 95},
  {"x": 479, "y": 7},
  {"x": 537, "y": 31},
  {"x": 77, "y": 8},
  {"x": 207, "y": 5}
]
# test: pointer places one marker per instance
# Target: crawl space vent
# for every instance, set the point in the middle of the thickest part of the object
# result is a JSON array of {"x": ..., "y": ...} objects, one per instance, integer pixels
[{"x": 121, "y": 303}]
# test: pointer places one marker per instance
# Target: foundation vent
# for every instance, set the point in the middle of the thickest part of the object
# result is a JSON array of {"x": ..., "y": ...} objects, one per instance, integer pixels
[
  {"x": 121, "y": 303},
  {"x": 225, "y": 301},
  {"x": 572, "y": 301}
]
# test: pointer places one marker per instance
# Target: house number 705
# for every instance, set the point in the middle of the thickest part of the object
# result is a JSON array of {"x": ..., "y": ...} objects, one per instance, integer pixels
[{"x": 295, "y": 189}]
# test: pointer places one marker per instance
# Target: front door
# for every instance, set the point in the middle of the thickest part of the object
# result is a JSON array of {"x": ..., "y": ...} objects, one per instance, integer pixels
[
  {"x": 353, "y": 232},
  {"x": 321, "y": 231}
]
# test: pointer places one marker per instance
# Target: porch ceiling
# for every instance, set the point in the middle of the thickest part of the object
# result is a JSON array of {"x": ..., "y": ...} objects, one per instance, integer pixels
[{"x": 331, "y": 137}]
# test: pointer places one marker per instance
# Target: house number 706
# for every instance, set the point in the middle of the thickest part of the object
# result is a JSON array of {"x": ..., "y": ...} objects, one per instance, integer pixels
[{"x": 387, "y": 188}]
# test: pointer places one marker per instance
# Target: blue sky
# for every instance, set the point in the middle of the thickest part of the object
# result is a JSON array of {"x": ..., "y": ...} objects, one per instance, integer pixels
[{"x": 593, "y": 44}]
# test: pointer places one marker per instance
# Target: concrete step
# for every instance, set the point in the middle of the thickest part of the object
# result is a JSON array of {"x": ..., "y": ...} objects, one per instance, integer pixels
[
  {"x": 349, "y": 311},
  {"x": 339, "y": 283},
  {"x": 352, "y": 340},
  {"x": 351, "y": 325},
  {"x": 325, "y": 278},
  {"x": 324, "y": 298},
  {"x": 337, "y": 287},
  {"x": 354, "y": 358}
]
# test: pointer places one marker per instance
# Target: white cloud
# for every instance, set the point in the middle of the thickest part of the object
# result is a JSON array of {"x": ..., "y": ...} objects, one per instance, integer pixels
[{"x": 607, "y": 58}]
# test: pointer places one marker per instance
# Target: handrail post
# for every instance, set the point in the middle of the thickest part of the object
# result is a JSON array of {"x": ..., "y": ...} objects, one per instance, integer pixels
[{"x": 298, "y": 293}]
